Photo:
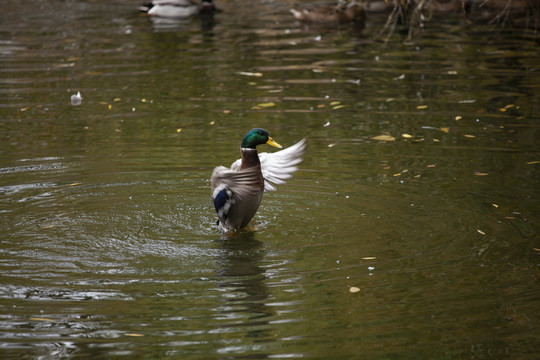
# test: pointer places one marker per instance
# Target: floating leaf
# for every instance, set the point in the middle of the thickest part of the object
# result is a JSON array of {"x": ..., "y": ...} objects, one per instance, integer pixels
[
  {"x": 422, "y": 107},
  {"x": 445, "y": 129},
  {"x": 178, "y": 130},
  {"x": 406, "y": 136},
  {"x": 266, "y": 104},
  {"x": 369, "y": 258},
  {"x": 495, "y": 205},
  {"x": 469, "y": 136},
  {"x": 354, "y": 289},
  {"x": 117, "y": 99},
  {"x": 24, "y": 109},
  {"x": 226, "y": 111},
  {"x": 383, "y": 138},
  {"x": 533, "y": 162},
  {"x": 480, "y": 174},
  {"x": 331, "y": 145},
  {"x": 335, "y": 103},
  {"x": 248, "y": 73},
  {"x": 431, "y": 165},
  {"x": 338, "y": 107},
  {"x": 133, "y": 334},
  {"x": 457, "y": 118},
  {"x": 75, "y": 184},
  {"x": 110, "y": 106},
  {"x": 502, "y": 109},
  {"x": 41, "y": 319},
  {"x": 327, "y": 124},
  {"x": 480, "y": 232},
  {"x": 212, "y": 122}
]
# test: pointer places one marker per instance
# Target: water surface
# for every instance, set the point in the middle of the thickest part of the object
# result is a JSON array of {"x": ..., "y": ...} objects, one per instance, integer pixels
[{"x": 109, "y": 245}]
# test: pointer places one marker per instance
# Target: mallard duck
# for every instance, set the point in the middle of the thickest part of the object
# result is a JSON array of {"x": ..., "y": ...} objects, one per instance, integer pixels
[
  {"x": 176, "y": 8},
  {"x": 343, "y": 12},
  {"x": 237, "y": 192}
]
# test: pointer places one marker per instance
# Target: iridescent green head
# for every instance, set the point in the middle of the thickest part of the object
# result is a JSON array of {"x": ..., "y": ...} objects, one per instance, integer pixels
[{"x": 258, "y": 137}]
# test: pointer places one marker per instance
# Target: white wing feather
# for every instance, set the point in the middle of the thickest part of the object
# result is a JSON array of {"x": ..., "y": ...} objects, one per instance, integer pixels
[{"x": 278, "y": 166}]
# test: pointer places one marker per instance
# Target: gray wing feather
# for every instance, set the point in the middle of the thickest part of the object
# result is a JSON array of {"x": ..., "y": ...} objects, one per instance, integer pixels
[{"x": 239, "y": 182}]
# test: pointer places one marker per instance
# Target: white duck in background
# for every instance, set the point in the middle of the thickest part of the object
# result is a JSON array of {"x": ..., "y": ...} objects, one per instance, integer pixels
[{"x": 177, "y": 8}]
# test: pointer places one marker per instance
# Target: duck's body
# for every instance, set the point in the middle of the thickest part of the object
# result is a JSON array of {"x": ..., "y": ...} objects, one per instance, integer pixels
[
  {"x": 343, "y": 12},
  {"x": 176, "y": 8},
  {"x": 237, "y": 191}
]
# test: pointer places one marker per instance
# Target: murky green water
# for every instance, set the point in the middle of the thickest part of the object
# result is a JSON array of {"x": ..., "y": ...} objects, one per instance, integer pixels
[{"x": 108, "y": 241}]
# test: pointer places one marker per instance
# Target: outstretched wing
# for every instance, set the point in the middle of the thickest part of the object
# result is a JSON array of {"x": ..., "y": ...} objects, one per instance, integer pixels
[
  {"x": 242, "y": 182},
  {"x": 278, "y": 166}
]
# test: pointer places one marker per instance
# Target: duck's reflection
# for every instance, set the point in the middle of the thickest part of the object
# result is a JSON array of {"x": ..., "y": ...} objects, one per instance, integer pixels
[{"x": 241, "y": 281}]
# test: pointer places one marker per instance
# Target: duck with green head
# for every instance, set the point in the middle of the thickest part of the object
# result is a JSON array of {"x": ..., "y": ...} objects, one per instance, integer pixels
[{"x": 237, "y": 191}]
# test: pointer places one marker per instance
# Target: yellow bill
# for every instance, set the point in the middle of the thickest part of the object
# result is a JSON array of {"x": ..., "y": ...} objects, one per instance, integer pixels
[{"x": 273, "y": 143}]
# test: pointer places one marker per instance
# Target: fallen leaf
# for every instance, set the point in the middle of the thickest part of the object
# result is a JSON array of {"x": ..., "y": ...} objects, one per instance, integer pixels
[
  {"x": 480, "y": 232},
  {"x": 335, "y": 103},
  {"x": 331, "y": 145},
  {"x": 24, "y": 109},
  {"x": 110, "y": 106},
  {"x": 481, "y": 174},
  {"x": 422, "y": 107},
  {"x": 445, "y": 129},
  {"x": 383, "y": 138},
  {"x": 495, "y": 205},
  {"x": 266, "y": 104},
  {"x": 248, "y": 73},
  {"x": 75, "y": 184},
  {"x": 354, "y": 289},
  {"x": 338, "y": 107},
  {"x": 212, "y": 122},
  {"x": 41, "y": 319},
  {"x": 406, "y": 136},
  {"x": 431, "y": 165},
  {"x": 457, "y": 118},
  {"x": 226, "y": 111},
  {"x": 117, "y": 99},
  {"x": 178, "y": 130},
  {"x": 502, "y": 109},
  {"x": 369, "y": 258},
  {"x": 533, "y": 162},
  {"x": 469, "y": 136},
  {"x": 320, "y": 106},
  {"x": 133, "y": 334}
]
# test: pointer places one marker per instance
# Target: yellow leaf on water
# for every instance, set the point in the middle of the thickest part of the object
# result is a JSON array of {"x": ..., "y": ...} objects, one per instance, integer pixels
[
  {"x": 41, "y": 319},
  {"x": 75, "y": 184},
  {"x": 495, "y": 205},
  {"x": 133, "y": 334},
  {"x": 24, "y": 109},
  {"x": 266, "y": 104},
  {"x": 533, "y": 162},
  {"x": 406, "y": 136},
  {"x": 469, "y": 136},
  {"x": 480, "y": 232},
  {"x": 457, "y": 118},
  {"x": 338, "y": 107},
  {"x": 369, "y": 258},
  {"x": 335, "y": 103},
  {"x": 502, "y": 109},
  {"x": 445, "y": 129},
  {"x": 354, "y": 289},
  {"x": 178, "y": 130},
  {"x": 383, "y": 138},
  {"x": 212, "y": 122},
  {"x": 110, "y": 106},
  {"x": 117, "y": 99},
  {"x": 481, "y": 174},
  {"x": 422, "y": 107}
]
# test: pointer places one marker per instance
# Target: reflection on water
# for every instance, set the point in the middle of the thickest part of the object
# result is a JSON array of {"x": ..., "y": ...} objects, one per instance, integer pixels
[{"x": 419, "y": 186}]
